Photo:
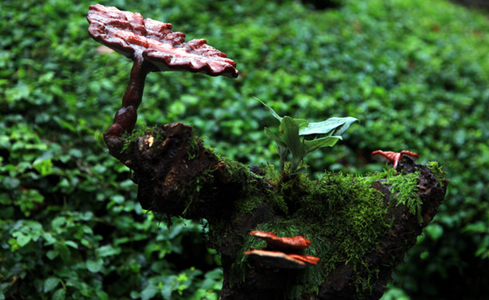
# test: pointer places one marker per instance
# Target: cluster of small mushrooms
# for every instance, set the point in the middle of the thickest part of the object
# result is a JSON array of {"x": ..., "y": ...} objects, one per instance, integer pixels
[{"x": 282, "y": 252}]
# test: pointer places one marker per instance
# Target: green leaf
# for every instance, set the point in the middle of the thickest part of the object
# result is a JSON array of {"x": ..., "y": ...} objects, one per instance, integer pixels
[
  {"x": 271, "y": 110},
  {"x": 63, "y": 250},
  {"x": 50, "y": 284},
  {"x": 10, "y": 183},
  {"x": 52, "y": 254},
  {"x": 21, "y": 238},
  {"x": 293, "y": 141},
  {"x": 107, "y": 250},
  {"x": 58, "y": 222},
  {"x": 102, "y": 295},
  {"x": 275, "y": 138},
  {"x": 149, "y": 292},
  {"x": 291, "y": 136},
  {"x": 48, "y": 238},
  {"x": 71, "y": 244},
  {"x": 60, "y": 294},
  {"x": 302, "y": 123},
  {"x": 435, "y": 231},
  {"x": 43, "y": 166},
  {"x": 5, "y": 199},
  {"x": 315, "y": 144},
  {"x": 95, "y": 266},
  {"x": 336, "y": 126}
]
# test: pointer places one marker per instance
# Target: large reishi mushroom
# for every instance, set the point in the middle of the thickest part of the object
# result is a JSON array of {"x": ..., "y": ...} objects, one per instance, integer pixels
[
  {"x": 393, "y": 157},
  {"x": 280, "y": 252},
  {"x": 153, "y": 47}
]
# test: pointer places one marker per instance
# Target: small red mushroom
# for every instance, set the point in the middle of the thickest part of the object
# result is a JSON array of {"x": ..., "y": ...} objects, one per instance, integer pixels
[
  {"x": 279, "y": 252},
  {"x": 281, "y": 260},
  {"x": 276, "y": 259},
  {"x": 295, "y": 242},
  {"x": 308, "y": 259},
  {"x": 393, "y": 157}
]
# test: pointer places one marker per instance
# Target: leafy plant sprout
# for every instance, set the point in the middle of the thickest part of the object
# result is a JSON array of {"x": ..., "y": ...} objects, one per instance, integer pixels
[{"x": 300, "y": 137}]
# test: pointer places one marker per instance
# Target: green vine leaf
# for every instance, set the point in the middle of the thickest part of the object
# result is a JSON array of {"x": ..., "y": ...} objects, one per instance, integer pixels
[
  {"x": 332, "y": 126},
  {"x": 293, "y": 132},
  {"x": 315, "y": 144},
  {"x": 271, "y": 110}
]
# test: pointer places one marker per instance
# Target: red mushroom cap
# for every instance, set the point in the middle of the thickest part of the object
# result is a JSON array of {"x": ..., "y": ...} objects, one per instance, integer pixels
[
  {"x": 131, "y": 35},
  {"x": 308, "y": 259},
  {"x": 295, "y": 242},
  {"x": 281, "y": 260},
  {"x": 413, "y": 155},
  {"x": 393, "y": 157}
]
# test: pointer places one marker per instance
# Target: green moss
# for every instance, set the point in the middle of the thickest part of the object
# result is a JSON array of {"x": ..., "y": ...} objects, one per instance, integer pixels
[
  {"x": 350, "y": 216},
  {"x": 403, "y": 189},
  {"x": 342, "y": 216},
  {"x": 132, "y": 137},
  {"x": 193, "y": 147},
  {"x": 437, "y": 171}
]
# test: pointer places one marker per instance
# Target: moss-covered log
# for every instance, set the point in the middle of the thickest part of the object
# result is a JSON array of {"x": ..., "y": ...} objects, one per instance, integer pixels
[{"x": 360, "y": 226}]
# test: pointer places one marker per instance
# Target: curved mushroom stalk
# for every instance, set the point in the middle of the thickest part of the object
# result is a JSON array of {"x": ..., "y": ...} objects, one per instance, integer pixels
[
  {"x": 126, "y": 117},
  {"x": 153, "y": 47}
]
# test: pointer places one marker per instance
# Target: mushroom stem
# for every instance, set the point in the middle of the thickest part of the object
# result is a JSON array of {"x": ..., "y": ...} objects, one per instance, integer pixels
[
  {"x": 126, "y": 117},
  {"x": 134, "y": 91}
]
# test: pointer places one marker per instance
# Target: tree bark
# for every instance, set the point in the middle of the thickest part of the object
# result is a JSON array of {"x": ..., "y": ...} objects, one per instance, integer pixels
[{"x": 177, "y": 176}]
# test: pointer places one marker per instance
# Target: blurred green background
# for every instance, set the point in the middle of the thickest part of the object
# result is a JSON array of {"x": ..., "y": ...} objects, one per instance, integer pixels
[{"x": 415, "y": 73}]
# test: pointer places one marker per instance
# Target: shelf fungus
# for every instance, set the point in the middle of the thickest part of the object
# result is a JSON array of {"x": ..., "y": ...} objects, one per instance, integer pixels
[
  {"x": 154, "y": 47},
  {"x": 393, "y": 157},
  {"x": 282, "y": 252}
]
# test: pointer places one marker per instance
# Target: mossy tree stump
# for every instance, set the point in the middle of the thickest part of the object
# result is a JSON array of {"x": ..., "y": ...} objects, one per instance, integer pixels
[{"x": 360, "y": 227}]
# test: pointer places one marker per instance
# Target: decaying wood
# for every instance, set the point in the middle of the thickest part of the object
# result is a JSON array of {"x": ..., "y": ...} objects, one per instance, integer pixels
[{"x": 166, "y": 166}]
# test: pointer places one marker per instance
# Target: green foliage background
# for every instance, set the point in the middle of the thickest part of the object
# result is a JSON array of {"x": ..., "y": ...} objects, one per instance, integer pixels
[{"x": 415, "y": 73}]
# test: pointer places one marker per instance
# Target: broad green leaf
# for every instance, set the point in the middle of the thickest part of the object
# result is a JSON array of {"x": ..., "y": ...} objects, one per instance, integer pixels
[
  {"x": 43, "y": 166},
  {"x": 95, "y": 266},
  {"x": 328, "y": 141},
  {"x": 107, "y": 250},
  {"x": 302, "y": 123},
  {"x": 271, "y": 110},
  {"x": 50, "y": 284},
  {"x": 291, "y": 136},
  {"x": 275, "y": 138},
  {"x": 52, "y": 254},
  {"x": 149, "y": 292},
  {"x": 58, "y": 222},
  {"x": 336, "y": 126},
  {"x": 60, "y": 294},
  {"x": 48, "y": 238},
  {"x": 5, "y": 199},
  {"x": 63, "y": 250},
  {"x": 348, "y": 121},
  {"x": 71, "y": 244},
  {"x": 21, "y": 238},
  {"x": 102, "y": 295},
  {"x": 293, "y": 141}
]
